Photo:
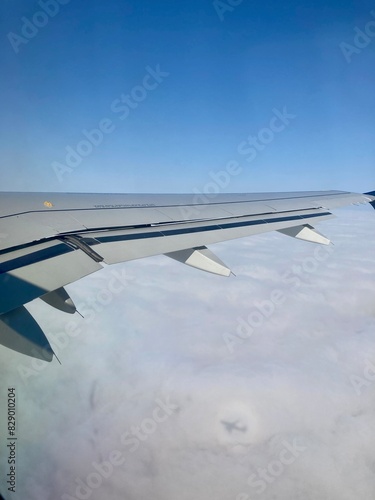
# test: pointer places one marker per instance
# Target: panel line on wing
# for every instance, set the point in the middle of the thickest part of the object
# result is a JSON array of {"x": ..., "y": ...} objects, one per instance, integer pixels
[
  {"x": 300, "y": 196},
  {"x": 188, "y": 230}
]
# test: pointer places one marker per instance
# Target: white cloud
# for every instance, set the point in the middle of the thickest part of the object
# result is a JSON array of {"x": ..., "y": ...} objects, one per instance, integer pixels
[{"x": 162, "y": 337}]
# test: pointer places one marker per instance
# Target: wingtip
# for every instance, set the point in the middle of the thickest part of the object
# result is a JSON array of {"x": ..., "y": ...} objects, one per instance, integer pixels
[{"x": 371, "y": 193}]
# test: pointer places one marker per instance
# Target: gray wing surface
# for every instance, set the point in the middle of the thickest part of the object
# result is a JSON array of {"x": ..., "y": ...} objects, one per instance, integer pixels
[{"x": 49, "y": 240}]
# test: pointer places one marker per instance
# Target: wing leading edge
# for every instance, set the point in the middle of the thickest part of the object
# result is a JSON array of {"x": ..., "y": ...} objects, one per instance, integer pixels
[{"x": 48, "y": 241}]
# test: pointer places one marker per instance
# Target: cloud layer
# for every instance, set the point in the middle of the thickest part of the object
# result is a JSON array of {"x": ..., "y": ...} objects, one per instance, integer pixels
[{"x": 191, "y": 386}]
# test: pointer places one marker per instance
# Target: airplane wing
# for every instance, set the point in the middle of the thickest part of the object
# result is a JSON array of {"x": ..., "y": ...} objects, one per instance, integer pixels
[{"x": 48, "y": 240}]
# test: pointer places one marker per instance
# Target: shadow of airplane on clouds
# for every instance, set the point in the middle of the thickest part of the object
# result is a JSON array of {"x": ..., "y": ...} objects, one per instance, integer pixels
[{"x": 233, "y": 426}]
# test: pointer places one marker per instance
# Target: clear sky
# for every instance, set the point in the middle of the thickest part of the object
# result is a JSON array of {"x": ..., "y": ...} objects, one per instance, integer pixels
[{"x": 219, "y": 74}]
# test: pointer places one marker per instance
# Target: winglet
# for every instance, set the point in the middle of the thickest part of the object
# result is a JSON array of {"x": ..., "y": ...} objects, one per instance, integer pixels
[{"x": 372, "y": 193}]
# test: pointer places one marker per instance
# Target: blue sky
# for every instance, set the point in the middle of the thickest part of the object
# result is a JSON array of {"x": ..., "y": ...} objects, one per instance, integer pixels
[{"x": 225, "y": 70}]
